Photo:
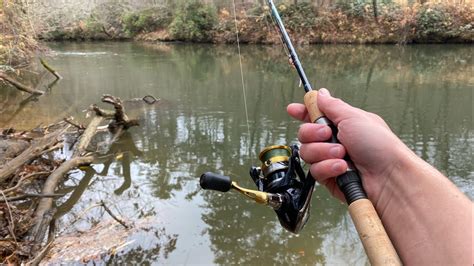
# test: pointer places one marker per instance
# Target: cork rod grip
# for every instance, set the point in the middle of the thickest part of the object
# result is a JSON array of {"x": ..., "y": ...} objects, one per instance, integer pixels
[
  {"x": 311, "y": 103},
  {"x": 377, "y": 244}
]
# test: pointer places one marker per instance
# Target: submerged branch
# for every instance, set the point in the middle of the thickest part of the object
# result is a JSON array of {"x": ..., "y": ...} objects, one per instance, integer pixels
[
  {"x": 50, "y": 69},
  {"x": 102, "y": 203},
  {"x": 19, "y": 85},
  {"x": 31, "y": 163}
]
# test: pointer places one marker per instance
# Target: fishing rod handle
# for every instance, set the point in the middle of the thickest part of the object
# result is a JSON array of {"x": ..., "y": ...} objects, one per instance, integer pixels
[
  {"x": 350, "y": 182},
  {"x": 375, "y": 240}
]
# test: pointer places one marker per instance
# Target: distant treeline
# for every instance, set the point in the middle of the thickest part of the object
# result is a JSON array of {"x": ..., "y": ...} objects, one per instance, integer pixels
[{"x": 316, "y": 21}]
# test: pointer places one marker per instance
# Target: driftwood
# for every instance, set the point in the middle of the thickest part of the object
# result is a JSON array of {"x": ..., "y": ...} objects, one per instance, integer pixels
[
  {"x": 50, "y": 69},
  {"x": 30, "y": 164},
  {"x": 29, "y": 195},
  {"x": 70, "y": 121},
  {"x": 87, "y": 136},
  {"x": 40, "y": 217},
  {"x": 19, "y": 85},
  {"x": 120, "y": 221},
  {"x": 119, "y": 123},
  {"x": 35, "y": 150},
  {"x": 120, "y": 118}
]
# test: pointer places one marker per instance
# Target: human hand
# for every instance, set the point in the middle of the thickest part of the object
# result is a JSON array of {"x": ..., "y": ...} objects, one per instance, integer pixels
[{"x": 372, "y": 146}]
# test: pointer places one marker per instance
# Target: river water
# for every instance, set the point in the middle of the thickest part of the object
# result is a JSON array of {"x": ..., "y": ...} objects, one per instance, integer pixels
[{"x": 201, "y": 124}]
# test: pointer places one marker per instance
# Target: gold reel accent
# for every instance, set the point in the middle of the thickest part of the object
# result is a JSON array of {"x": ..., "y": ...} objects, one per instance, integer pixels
[{"x": 272, "y": 155}]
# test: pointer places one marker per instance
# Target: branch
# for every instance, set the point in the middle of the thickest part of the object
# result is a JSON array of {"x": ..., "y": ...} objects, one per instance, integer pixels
[
  {"x": 40, "y": 216},
  {"x": 32, "y": 152},
  {"x": 102, "y": 203},
  {"x": 18, "y": 184},
  {"x": 87, "y": 136},
  {"x": 30, "y": 195},
  {"x": 50, "y": 69},
  {"x": 101, "y": 112},
  {"x": 150, "y": 99},
  {"x": 70, "y": 121},
  {"x": 19, "y": 85}
]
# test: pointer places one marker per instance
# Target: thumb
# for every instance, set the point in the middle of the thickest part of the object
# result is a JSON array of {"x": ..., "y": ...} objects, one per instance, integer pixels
[{"x": 335, "y": 109}]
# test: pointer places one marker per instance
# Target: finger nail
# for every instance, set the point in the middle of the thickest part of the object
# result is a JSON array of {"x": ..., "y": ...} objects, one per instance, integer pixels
[
  {"x": 335, "y": 151},
  {"x": 337, "y": 167},
  {"x": 323, "y": 132},
  {"x": 324, "y": 92}
]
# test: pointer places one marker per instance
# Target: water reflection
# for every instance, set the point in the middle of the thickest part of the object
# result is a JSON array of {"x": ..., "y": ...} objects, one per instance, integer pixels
[{"x": 424, "y": 93}]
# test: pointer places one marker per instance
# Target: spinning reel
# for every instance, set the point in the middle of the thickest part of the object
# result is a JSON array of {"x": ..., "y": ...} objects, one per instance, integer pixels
[{"x": 281, "y": 184}]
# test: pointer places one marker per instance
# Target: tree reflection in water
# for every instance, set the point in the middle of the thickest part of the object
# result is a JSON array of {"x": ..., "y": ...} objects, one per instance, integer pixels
[{"x": 422, "y": 91}]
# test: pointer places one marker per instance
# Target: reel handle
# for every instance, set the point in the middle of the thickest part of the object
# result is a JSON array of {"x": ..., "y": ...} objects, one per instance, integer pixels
[
  {"x": 214, "y": 181},
  {"x": 377, "y": 244}
]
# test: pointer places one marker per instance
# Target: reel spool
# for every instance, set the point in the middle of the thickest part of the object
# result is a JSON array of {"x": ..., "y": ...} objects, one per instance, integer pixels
[
  {"x": 281, "y": 184},
  {"x": 275, "y": 160}
]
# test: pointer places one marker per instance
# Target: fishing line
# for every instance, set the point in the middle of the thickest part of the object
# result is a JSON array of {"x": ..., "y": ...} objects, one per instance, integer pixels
[
  {"x": 241, "y": 70},
  {"x": 285, "y": 49}
]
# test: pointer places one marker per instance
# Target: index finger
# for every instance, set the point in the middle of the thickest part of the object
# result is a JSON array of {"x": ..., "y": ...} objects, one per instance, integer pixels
[{"x": 298, "y": 111}]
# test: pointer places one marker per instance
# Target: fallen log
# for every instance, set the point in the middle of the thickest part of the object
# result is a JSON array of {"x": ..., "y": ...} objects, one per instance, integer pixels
[
  {"x": 35, "y": 150},
  {"x": 31, "y": 164},
  {"x": 45, "y": 203},
  {"x": 87, "y": 136},
  {"x": 120, "y": 122},
  {"x": 41, "y": 217},
  {"x": 19, "y": 85}
]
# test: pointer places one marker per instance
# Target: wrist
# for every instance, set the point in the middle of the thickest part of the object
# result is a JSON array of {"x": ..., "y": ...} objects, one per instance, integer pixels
[
  {"x": 418, "y": 205},
  {"x": 397, "y": 186}
]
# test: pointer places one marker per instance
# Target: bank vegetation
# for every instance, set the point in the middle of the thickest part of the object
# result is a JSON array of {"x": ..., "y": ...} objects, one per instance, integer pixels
[{"x": 316, "y": 21}]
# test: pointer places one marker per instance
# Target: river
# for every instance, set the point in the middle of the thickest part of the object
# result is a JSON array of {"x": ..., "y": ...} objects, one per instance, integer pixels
[{"x": 204, "y": 123}]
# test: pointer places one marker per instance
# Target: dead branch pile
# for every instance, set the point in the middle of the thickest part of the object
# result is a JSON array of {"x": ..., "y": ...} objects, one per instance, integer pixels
[
  {"x": 33, "y": 165},
  {"x": 17, "y": 36}
]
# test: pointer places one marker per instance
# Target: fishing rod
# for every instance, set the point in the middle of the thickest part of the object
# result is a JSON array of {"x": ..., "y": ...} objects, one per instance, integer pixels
[
  {"x": 283, "y": 185},
  {"x": 376, "y": 242}
]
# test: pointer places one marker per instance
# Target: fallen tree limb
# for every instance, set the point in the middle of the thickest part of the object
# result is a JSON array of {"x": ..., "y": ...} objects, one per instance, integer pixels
[
  {"x": 35, "y": 150},
  {"x": 40, "y": 217},
  {"x": 87, "y": 136},
  {"x": 20, "y": 182},
  {"x": 41, "y": 254},
  {"x": 50, "y": 69},
  {"x": 19, "y": 85},
  {"x": 44, "y": 206},
  {"x": 102, "y": 203},
  {"x": 70, "y": 121},
  {"x": 120, "y": 118},
  {"x": 30, "y": 195}
]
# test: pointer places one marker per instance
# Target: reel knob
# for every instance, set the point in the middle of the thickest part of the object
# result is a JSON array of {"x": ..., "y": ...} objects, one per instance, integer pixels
[{"x": 214, "y": 181}]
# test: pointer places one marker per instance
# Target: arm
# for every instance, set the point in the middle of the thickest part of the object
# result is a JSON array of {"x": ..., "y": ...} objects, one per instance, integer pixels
[{"x": 428, "y": 219}]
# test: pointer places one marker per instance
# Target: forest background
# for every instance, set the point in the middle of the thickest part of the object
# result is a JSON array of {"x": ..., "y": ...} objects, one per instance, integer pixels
[{"x": 25, "y": 22}]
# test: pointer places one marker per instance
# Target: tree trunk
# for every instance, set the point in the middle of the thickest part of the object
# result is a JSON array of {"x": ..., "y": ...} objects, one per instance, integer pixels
[{"x": 374, "y": 2}]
